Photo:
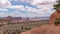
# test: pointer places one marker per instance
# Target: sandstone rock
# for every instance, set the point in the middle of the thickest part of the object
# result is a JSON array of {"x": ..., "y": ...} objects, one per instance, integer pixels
[{"x": 53, "y": 16}]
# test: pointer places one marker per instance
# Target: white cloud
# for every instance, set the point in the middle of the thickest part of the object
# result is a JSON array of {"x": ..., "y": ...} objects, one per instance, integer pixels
[
  {"x": 16, "y": 14},
  {"x": 18, "y": 7},
  {"x": 35, "y": 2},
  {"x": 1, "y": 9},
  {"x": 4, "y": 3},
  {"x": 38, "y": 15},
  {"x": 3, "y": 14},
  {"x": 13, "y": 14},
  {"x": 44, "y": 9},
  {"x": 41, "y": 11},
  {"x": 44, "y": 5}
]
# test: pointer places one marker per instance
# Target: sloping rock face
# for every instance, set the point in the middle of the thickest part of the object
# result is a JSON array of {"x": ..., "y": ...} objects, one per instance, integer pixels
[
  {"x": 54, "y": 16},
  {"x": 48, "y": 28}
]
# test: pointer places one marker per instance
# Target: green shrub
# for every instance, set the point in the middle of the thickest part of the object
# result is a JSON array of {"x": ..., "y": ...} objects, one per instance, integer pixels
[{"x": 57, "y": 21}]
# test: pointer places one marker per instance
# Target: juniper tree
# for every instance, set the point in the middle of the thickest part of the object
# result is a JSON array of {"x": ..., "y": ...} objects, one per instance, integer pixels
[{"x": 57, "y": 6}]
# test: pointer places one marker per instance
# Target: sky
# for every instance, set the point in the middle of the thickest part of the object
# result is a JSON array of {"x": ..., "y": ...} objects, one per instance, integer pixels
[{"x": 26, "y": 8}]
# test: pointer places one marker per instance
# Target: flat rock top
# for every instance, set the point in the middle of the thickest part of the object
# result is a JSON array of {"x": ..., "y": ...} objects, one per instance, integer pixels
[{"x": 45, "y": 29}]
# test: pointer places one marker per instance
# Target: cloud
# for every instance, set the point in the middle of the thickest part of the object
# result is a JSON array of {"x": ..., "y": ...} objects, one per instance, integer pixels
[
  {"x": 18, "y": 7},
  {"x": 41, "y": 11},
  {"x": 36, "y": 2},
  {"x": 43, "y": 8},
  {"x": 4, "y": 3},
  {"x": 43, "y": 3},
  {"x": 3, "y": 14},
  {"x": 46, "y": 10},
  {"x": 1, "y": 9},
  {"x": 13, "y": 14},
  {"x": 47, "y": 4},
  {"x": 16, "y": 14}
]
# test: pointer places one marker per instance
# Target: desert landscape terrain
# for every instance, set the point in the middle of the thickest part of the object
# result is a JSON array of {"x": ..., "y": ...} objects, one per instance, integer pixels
[{"x": 52, "y": 28}]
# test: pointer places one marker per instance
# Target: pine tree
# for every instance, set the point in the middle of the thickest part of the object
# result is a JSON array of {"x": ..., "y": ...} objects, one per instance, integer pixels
[{"x": 57, "y": 6}]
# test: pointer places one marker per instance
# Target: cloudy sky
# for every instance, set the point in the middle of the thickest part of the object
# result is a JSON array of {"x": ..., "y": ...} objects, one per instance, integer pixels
[{"x": 26, "y": 8}]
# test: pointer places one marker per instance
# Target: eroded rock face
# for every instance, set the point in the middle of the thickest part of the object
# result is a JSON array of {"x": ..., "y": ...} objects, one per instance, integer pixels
[
  {"x": 54, "y": 16},
  {"x": 48, "y": 28}
]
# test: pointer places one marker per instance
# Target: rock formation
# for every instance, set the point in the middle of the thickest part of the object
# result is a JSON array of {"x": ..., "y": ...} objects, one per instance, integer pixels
[{"x": 54, "y": 16}]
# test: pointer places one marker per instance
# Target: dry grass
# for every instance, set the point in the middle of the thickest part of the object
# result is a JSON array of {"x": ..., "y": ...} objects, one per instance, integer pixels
[{"x": 28, "y": 26}]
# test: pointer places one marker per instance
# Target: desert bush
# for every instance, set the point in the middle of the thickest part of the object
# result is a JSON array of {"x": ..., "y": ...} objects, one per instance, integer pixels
[
  {"x": 25, "y": 28},
  {"x": 12, "y": 32},
  {"x": 21, "y": 27},
  {"x": 57, "y": 21}
]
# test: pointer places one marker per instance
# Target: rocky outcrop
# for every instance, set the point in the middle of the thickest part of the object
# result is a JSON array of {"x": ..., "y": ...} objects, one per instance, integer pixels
[{"x": 54, "y": 16}]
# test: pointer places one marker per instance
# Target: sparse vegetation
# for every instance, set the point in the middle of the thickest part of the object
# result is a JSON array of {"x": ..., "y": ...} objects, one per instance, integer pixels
[
  {"x": 21, "y": 27},
  {"x": 57, "y": 21}
]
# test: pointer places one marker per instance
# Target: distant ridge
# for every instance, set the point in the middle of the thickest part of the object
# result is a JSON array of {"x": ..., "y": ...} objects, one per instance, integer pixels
[
  {"x": 24, "y": 18},
  {"x": 40, "y": 18}
]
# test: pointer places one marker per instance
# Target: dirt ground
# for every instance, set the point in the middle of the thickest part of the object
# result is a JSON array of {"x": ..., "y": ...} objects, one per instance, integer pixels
[{"x": 45, "y": 29}]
